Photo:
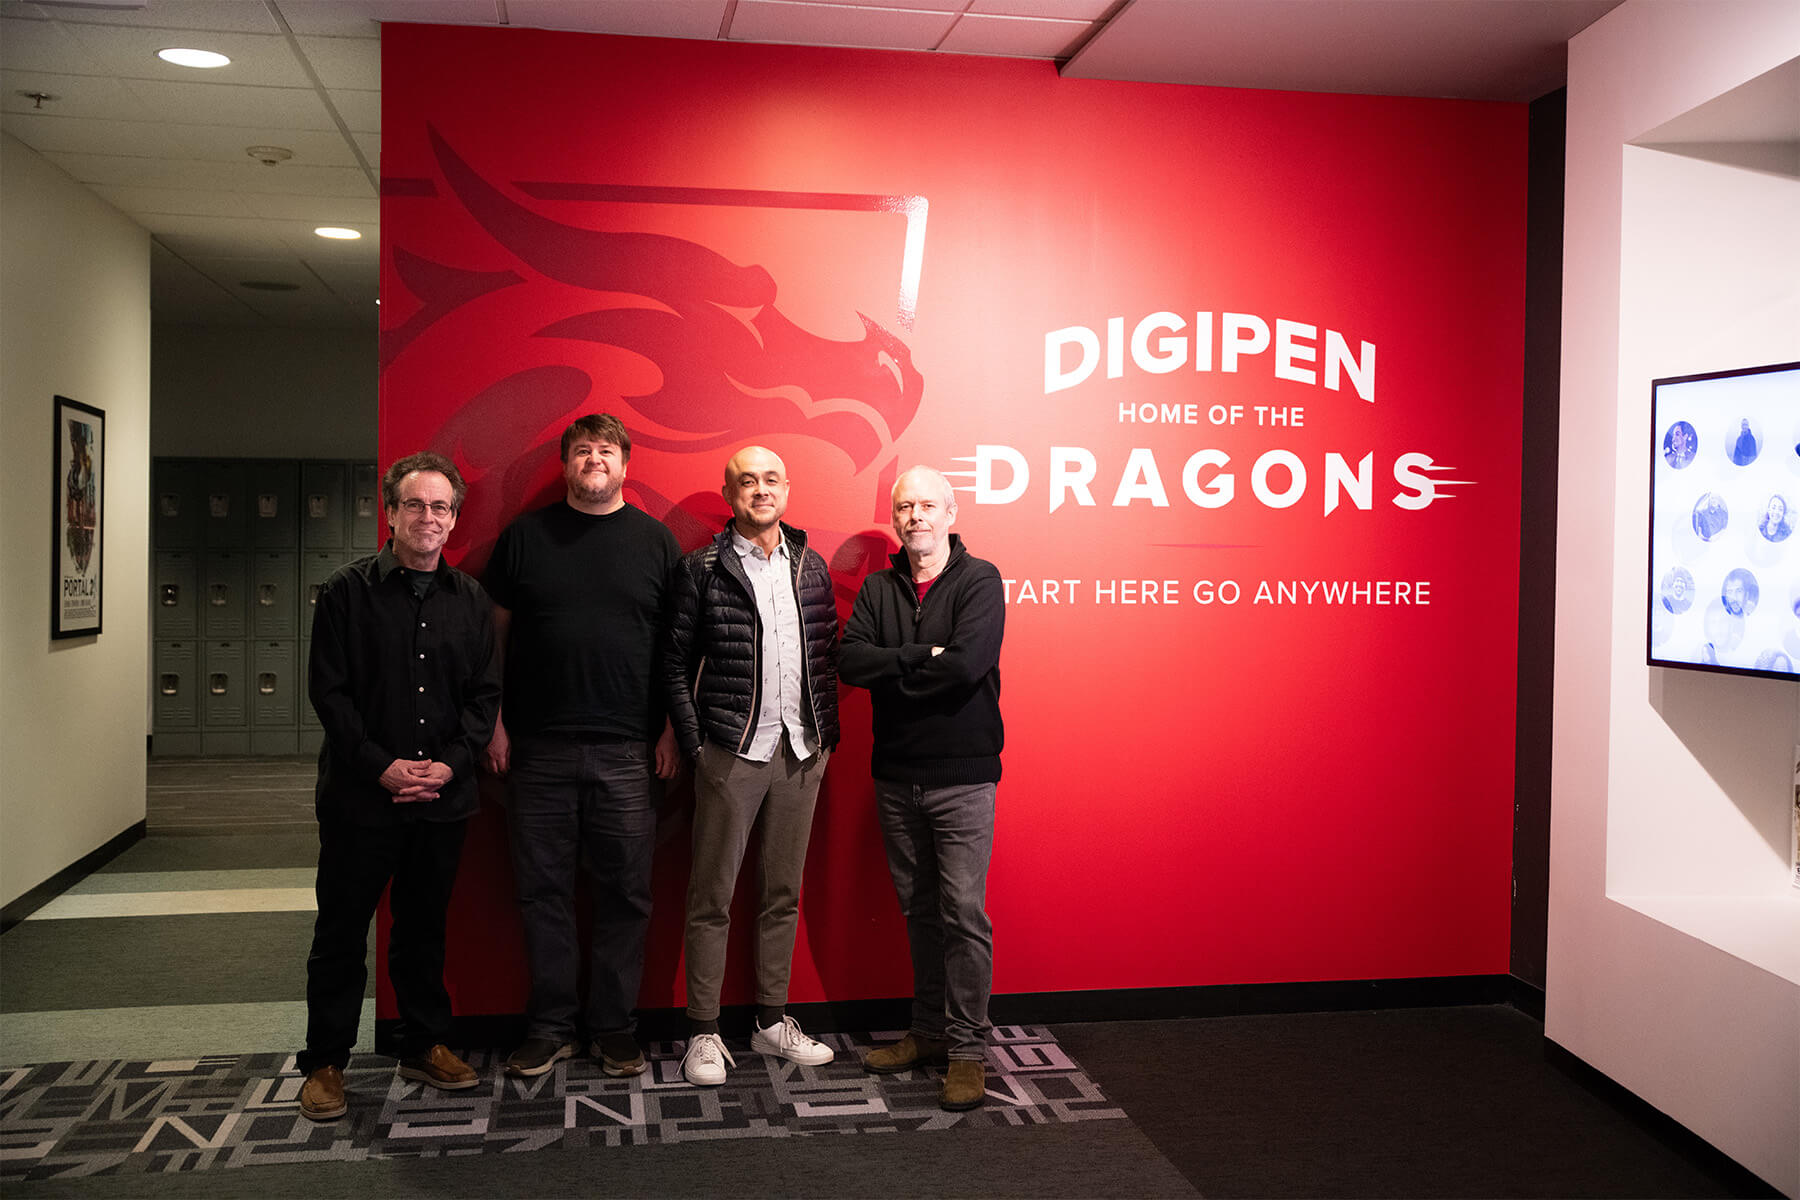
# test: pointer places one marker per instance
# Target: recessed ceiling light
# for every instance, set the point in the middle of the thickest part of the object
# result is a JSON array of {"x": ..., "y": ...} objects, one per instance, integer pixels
[
  {"x": 268, "y": 285},
  {"x": 183, "y": 56},
  {"x": 333, "y": 231}
]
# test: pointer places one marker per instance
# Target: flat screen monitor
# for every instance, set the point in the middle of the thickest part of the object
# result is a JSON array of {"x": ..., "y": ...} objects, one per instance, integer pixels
[{"x": 1724, "y": 588}]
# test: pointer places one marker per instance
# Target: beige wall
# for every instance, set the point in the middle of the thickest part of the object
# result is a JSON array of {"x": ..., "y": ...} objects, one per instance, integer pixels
[
  {"x": 74, "y": 321},
  {"x": 1674, "y": 941}
]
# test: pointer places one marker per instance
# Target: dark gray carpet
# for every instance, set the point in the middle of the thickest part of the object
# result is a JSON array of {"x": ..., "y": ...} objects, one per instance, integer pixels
[
  {"x": 1405, "y": 1102},
  {"x": 115, "y": 962},
  {"x": 1103, "y": 1159},
  {"x": 215, "y": 851}
]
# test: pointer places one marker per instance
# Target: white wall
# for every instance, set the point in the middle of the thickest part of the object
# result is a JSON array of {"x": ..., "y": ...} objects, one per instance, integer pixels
[
  {"x": 74, "y": 321},
  {"x": 1674, "y": 943},
  {"x": 230, "y": 392}
]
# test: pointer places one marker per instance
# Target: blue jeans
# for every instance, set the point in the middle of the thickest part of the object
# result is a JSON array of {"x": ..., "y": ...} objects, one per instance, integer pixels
[
  {"x": 584, "y": 805},
  {"x": 939, "y": 840}
]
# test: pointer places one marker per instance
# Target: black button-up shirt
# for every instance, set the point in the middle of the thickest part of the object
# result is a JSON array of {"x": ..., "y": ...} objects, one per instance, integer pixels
[{"x": 395, "y": 676}]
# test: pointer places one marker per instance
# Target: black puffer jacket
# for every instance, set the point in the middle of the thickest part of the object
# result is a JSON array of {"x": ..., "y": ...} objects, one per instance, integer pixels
[{"x": 712, "y": 663}]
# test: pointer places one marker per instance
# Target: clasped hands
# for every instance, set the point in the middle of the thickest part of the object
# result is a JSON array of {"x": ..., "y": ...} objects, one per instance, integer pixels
[{"x": 413, "y": 781}]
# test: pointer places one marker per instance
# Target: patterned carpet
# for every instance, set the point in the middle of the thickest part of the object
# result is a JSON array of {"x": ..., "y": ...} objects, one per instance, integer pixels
[{"x": 126, "y": 1118}]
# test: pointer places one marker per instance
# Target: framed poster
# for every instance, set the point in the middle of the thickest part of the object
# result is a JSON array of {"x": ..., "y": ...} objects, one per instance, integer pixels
[{"x": 79, "y": 501}]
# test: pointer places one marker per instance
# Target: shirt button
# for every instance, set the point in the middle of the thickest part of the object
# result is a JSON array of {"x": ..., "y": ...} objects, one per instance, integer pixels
[
  {"x": 421, "y": 658},
  {"x": 421, "y": 624},
  {"x": 421, "y": 690},
  {"x": 421, "y": 720}
]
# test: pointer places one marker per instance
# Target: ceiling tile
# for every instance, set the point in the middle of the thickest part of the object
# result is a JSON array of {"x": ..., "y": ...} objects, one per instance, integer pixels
[
  {"x": 230, "y": 271},
  {"x": 44, "y": 46},
  {"x": 128, "y": 52},
  {"x": 294, "y": 179},
  {"x": 1022, "y": 37},
  {"x": 298, "y": 236},
  {"x": 354, "y": 211},
  {"x": 1067, "y": 10},
  {"x": 85, "y": 135},
  {"x": 642, "y": 18},
  {"x": 359, "y": 18},
  {"x": 249, "y": 177},
  {"x": 76, "y": 96},
  {"x": 344, "y": 62},
  {"x": 361, "y": 110},
  {"x": 219, "y": 237},
  {"x": 822, "y": 24},
  {"x": 228, "y": 143},
  {"x": 233, "y": 104},
  {"x": 938, "y": 6},
  {"x": 193, "y": 202},
  {"x": 235, "y": 16},
  {"x": 371, "y": 147}
]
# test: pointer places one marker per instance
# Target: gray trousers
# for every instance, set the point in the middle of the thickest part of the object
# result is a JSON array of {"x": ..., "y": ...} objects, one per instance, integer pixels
[
  {"x": 730, "y": 793},
  {"x": 939, "y": 841}
]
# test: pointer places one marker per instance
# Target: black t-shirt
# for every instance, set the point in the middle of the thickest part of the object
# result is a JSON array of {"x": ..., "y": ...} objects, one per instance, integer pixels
[{"x": 587, "y": 596}]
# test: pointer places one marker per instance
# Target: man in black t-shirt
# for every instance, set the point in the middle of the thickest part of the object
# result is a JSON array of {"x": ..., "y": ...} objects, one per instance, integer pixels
[{"x": 579, "y": 589}]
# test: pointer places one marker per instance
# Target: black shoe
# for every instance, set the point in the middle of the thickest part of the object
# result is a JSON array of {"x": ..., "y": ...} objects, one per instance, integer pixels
[
  {"x": 536, "y": 1056},
  {"x": 619, "y": 1054}
]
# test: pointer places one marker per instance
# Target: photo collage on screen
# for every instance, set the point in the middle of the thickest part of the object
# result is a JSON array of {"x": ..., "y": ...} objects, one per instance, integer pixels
[{"x": 1724, "y": 551}]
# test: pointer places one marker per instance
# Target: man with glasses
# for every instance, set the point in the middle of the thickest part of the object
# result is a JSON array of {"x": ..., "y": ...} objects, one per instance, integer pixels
[{"x": 404, "y": 680}]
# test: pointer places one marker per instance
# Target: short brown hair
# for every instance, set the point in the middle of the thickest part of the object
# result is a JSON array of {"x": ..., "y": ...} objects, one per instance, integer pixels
[
  {"x": 597, "y": 427},
  {"x": 424, "y": 460}
]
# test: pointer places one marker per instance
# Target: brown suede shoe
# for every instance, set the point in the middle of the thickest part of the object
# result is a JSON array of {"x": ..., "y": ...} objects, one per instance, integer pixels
[
  {"x": 322, "y": 1095},
  {"x": 909, "y": 1052},
  {"x": 440, "y": 1068},
  {"x": 965, "y": 1086}
]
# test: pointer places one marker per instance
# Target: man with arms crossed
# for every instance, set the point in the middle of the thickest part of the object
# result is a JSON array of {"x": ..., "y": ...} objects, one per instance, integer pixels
[
  {"x": 579, "y": 588},
  {"x": 752, "y": 682},
  {"x": 924, "y": 638},
  {"x": 403, "y": 677}
]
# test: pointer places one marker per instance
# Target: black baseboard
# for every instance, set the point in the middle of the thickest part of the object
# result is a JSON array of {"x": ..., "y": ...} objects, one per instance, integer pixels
[
  {"x": 1741, "y": 1180},
  {"x": 500, "y": 1031},
  {"x": 69, "y": 876},
  {"x": 1528, "y": 998}
]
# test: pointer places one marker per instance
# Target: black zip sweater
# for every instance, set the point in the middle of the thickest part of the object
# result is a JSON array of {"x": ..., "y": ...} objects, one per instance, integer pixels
[{"x": 937, "y": 717}]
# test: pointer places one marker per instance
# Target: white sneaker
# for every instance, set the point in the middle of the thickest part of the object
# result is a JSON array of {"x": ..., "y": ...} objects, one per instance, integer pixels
[
  {"x": 786, "y": 1041},
  {"x": 704, "y": 1063}
]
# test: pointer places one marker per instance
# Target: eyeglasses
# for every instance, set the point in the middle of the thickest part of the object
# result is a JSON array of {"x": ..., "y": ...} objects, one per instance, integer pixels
[{"x": 417, "y": 508}]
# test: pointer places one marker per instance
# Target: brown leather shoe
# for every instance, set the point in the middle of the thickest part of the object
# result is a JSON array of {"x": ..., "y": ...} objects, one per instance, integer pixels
[
  {"x": 965, "y": 1086},
  {"x": 322, "y": 1095},
  {"x": 909, "y": 1052},
  {"x": 440, "y": 1068}
]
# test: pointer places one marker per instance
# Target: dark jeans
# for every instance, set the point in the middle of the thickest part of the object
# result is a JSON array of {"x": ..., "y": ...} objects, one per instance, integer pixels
[
  {"x": 355, "y": 864},
  {"x": 939, "y": 840},
  {"x": 584, "y": 805}
]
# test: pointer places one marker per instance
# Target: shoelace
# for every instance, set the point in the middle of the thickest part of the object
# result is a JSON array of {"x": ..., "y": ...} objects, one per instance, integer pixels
[
  {"x": 790, "y": 1034},
  {"x": 709, "y": 1046}
]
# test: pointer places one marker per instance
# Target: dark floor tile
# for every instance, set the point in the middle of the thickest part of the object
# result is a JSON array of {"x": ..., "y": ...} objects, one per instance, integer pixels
[
  {"x": 215, "y": 851},
  {"x": 125, "y": 962}
]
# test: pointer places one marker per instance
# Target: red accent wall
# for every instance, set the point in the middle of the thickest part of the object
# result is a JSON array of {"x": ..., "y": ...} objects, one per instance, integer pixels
[{"x": 859, "y": 259}]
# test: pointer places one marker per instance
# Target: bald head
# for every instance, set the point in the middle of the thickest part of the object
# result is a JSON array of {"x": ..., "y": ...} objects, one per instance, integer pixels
[{"x": 756, "y": 487}]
